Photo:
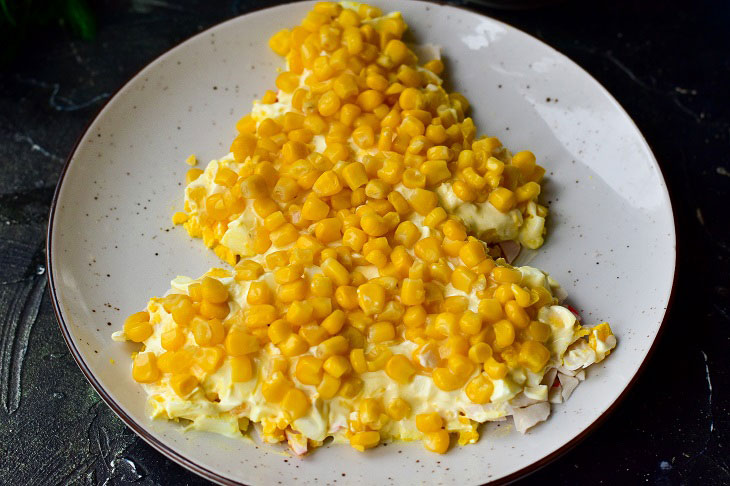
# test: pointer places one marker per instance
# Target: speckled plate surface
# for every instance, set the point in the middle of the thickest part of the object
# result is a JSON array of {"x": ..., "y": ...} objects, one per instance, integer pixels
[{"x": 611, "y": 232}]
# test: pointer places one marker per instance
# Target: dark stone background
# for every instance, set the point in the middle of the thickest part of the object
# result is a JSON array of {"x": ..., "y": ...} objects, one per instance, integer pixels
[{"x": 668, "y": 64}]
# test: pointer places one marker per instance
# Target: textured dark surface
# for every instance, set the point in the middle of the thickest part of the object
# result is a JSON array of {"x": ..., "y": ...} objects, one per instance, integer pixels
[{"x": 666, "y": 62}]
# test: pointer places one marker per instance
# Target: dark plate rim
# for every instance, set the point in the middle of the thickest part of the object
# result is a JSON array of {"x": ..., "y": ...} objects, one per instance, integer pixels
[{"x": 217, "y": 478}]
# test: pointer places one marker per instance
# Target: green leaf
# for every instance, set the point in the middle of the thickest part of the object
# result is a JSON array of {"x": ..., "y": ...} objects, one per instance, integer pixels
[{"x": 80, "y": 19}]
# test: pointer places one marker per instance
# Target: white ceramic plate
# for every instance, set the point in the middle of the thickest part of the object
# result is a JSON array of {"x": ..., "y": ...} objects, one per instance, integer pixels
[{"x": 111, "y": 244}]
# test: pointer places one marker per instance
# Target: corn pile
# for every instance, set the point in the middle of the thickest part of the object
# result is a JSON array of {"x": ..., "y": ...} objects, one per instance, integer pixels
[{"x": 350, "y": 181}]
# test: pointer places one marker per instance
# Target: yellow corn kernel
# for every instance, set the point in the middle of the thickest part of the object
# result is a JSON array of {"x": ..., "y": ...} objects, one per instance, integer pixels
[
  {"x": 328, "y": 103},
  {"x": 480, "y": 352},
  {"x": 334, "y": 345},
  {"x": 280, "y": 42},
  {"x": 470, "y": 323},
  {"x": 165, "y": 360},
  {"x": 411, "y": 99},
  {"x": 241, "y": 368},
  {"x": 335, "y": 271},
  {"x": 213, "y": 311},
  {"x": 328, "y": 230},
  {"x": 503, "y": 293},
  {"x": 216, "y": 207},
  {"x": 213, "y": 290},
  {"x": 267, "y": 128},
  {"x": 456, "y": 304},
  {"x": 248, "y": 270},
  {"x": 239, "y": 343},
  {"x": 436, "y": 171},
  {"x": 363, "y": 136},
  {"x": 460, "y": 366},
  {"x": 357, "y": 360},
  {"x": 260, "y": 315},
  {"x": 506, "y": 275},
  {"x": 366, "y": 439},
  {"x": 428, "y": 249},
  {"x": 435, "y": 217},
  {"x": 369, "y": 99},
  {"x": 243, "y": 146},
  {"x": 278, "y": 331},
  {"x": 412, "y": 127},
  {"x": 265, "y": 206},
  {"x": 354, "y": 175},
  {"x": 299, "y": 313},
  {"x": 292, "y": 121},
  {"x": 504, "y": 334},
  {"x": 327, "y": 184},
  {"x": 277, "y": 259},
  {"x": 354, "y": 238},
  {"x": 321, "y": 286},
  {"x": 314, "y": 209},
  {"x": 472, "y": 253},
  {"x": 183, "y": 385},
  {"x": 479, "y": 390},
  {"x": 527, "y": 192},
  {"x": 287, "y": 81},
  {"x": 381, "y": 332},
  {"x": 414, "y": 316},
  {"x": 322, "y": 307},
  {"x": 144, "y": 368},
  {"x": 299, "y": 256},
  {"x": 516, "y": 314},
  {"x": 423, "y": 201},
  {"x": 439, "y": 152},
  {"x": 337, "y": 365},
  {"x": 328, "y": 387},
  {"x": 429, "y": 422},
  {"x": 309, "y": 370},
  {"x": 275, "y": 387},
  {"x": 209, "y": 359},
  {"x": 494, "y": 369},
  {"x": 373, "y": 224},
  {"x": 284, "y": 235},
  {"x": 412, "y": 292},
  {"x": 522, "y": 296},
  {"x": 400, "y": 369},
  {"x": 371, "y": 298},
  {"x": 246, "y": 124},
  {"x": 525, "y": 162},
  {"x": 313, "y": 334},
  {"x": 179, "y": 218},
  {"x": 534, "y": 355},
  {"x": 173, "y": 339},
  {"x": 539, "y": 331},
  {"x": 437, "y": 442},
  {"x": 462, "y": 278},
  {"x": 473, "y": 179},
  {"x": 285, "y": 190},
  {"x": 258, "y": 293},
  {"x": 195, "y": 292},
  {"x": 274, "y": 220},
  {"x": 414, "y": 178},
  {"x": 137, "y": 327},
  {"x": 293, "y": 345},
  {"x": 502, "y": 198},
  {"x": 601, "y": 332},
  {"x": 352, "y": 39},
  {"x": 207, "y": 332},
  {"x": 407, "y": 233},
  {"x": 436, "y": 66},
  {"x": 398, "y": 409},
  {"x": 446, "y": 380}
]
